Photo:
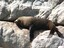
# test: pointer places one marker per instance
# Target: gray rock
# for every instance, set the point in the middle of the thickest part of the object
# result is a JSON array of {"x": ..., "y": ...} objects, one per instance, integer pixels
[
  {"x": 12, "y": 9},
  {"x": 57, "y": 14},
  {"x": 61, "y": 47},
  {"x": 9, "y": 1},
  {"x": 12, "y": 36},
  {"x": 3, "y": 11},
  {"x": 45, "y": 7},
  {"x": 18, "y": 8},
  {"x": 41, "y": 41}
]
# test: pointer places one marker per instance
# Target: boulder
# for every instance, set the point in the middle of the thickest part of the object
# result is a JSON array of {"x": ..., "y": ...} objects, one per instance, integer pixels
[
  {"x": 57, "y": 14},
  {"x": 41, "y": 41},
  {"x": 12, "y": 36}
]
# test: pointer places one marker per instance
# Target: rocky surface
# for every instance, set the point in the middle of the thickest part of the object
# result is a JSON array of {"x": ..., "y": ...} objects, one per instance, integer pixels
[
  {"x": 41, "y": 41},
  {"x": 13, "y": 37},
  {"x": 57, "y": 14}
]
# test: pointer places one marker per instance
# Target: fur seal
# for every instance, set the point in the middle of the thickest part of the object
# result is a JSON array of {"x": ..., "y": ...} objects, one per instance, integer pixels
[{"x": 35, "y": 23}]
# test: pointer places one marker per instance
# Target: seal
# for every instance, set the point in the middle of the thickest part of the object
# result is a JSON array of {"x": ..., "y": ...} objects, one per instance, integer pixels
[{"x": 35, "y": 23}]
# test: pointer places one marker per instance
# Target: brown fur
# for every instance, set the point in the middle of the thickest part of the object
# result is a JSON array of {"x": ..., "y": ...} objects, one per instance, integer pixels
[{"x": 33, "y": 23}]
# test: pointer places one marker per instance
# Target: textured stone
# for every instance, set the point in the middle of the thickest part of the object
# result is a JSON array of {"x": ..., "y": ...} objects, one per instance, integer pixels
[
  {"x": 57, "y": 14},
  {"x": 45, "y": 7},
  {"x": 12, "y": 36},
  {"x": 41, "y": 41}
]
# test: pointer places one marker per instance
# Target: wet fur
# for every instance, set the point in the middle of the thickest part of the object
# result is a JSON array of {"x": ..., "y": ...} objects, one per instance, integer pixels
[{"x": 33, "y": 24}]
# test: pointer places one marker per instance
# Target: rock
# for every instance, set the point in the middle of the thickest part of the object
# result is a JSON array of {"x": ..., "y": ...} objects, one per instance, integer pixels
[
  {"x": 45, "y": 7},
  {"x": 9, "y": 1},
  {"x": 18, "y": 8},
  {"x": 12, "y": 9},
  {"x": 41, "y": 41},
  {"x": 12, "y": 36},
  {"x": 57, "y": 14},
  {"x": 61, "y": 47},
  {"x": 61, "y": 29},
  {"x": 3, "y": 11}
]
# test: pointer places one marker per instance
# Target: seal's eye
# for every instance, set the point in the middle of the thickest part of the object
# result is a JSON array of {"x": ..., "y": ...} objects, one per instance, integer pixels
[{"x": 19, "y": 23}]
